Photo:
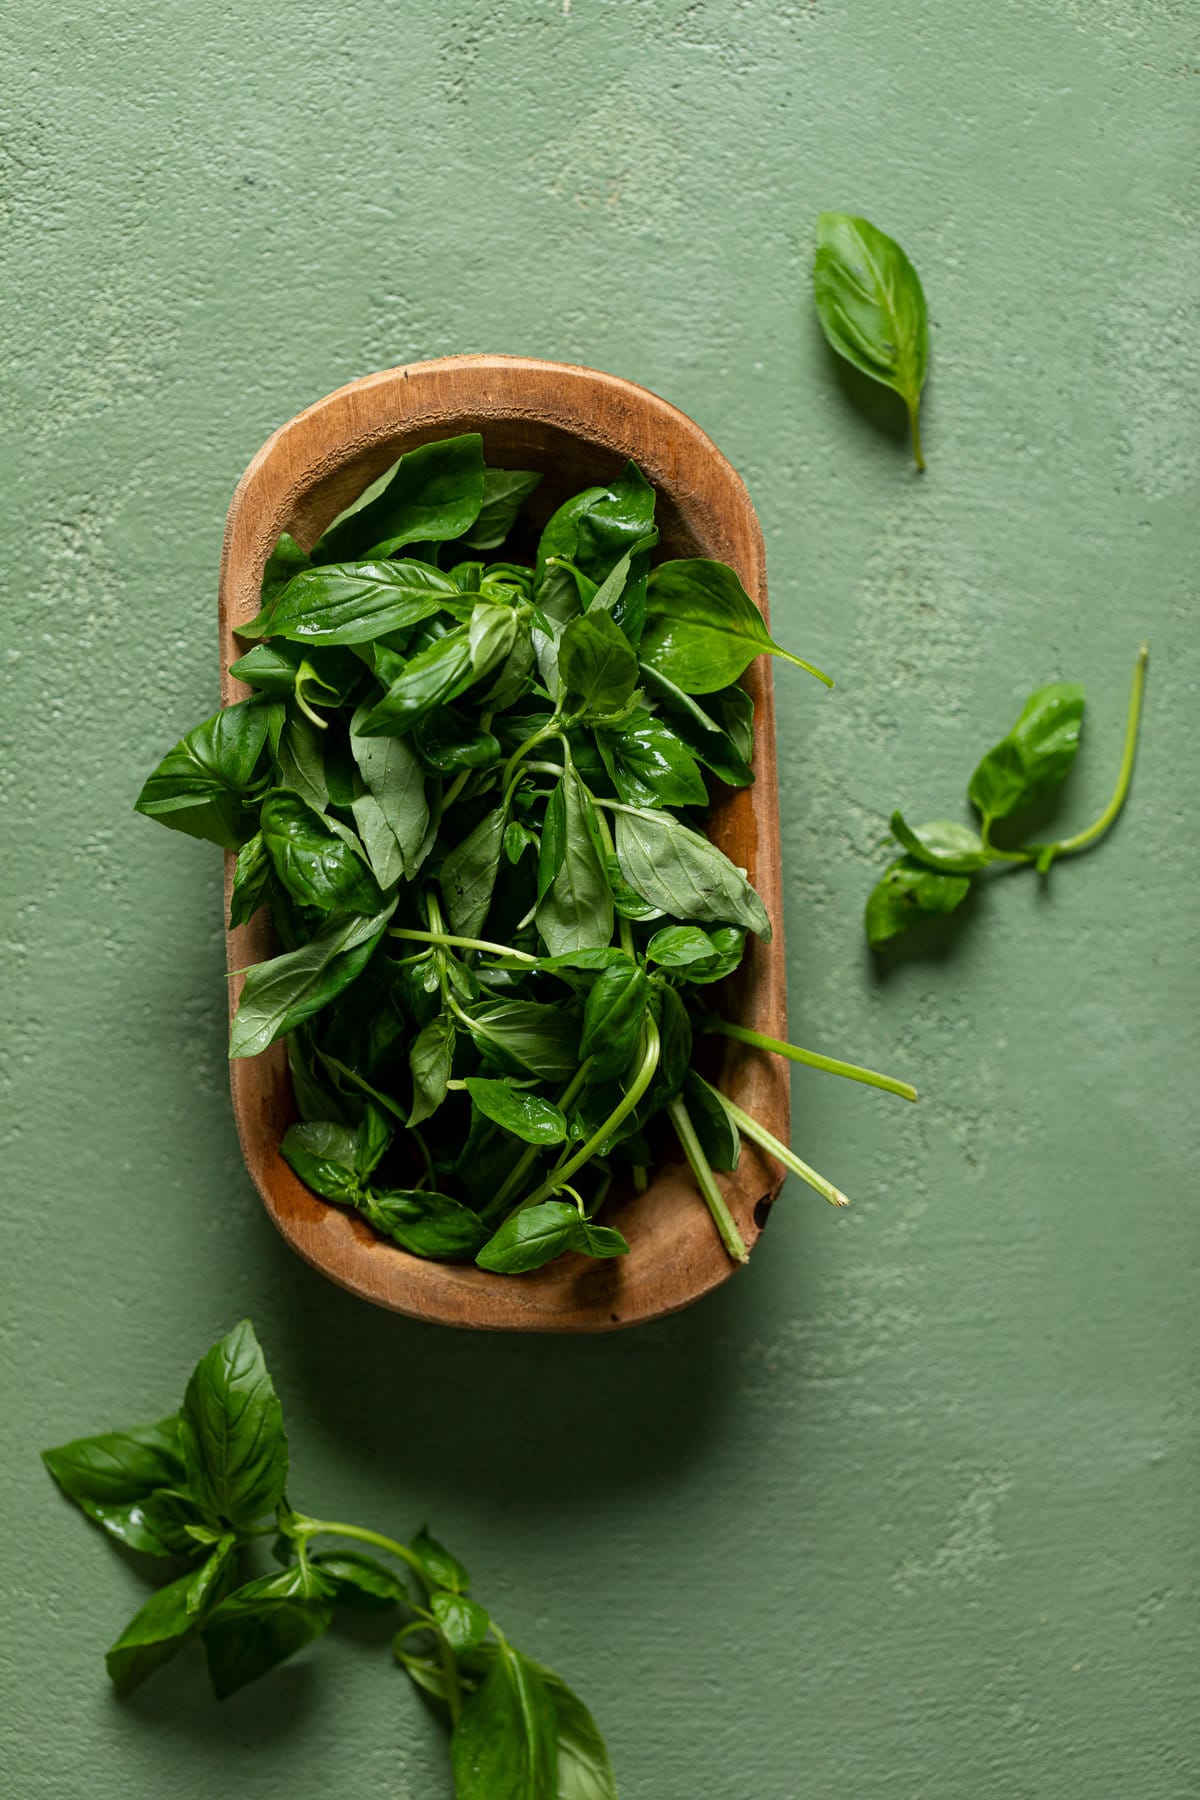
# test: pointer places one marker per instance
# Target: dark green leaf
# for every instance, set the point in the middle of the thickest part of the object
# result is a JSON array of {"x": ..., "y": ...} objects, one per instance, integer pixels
[
  {"x": 611, "y": 521},
  {"x": 285, "y": 561},
  {"x": 650, "y": 765},
  {"x": 433, "y": 493},
  {"x": 575, "y": 912},
  {"x": 160, "y": 1628},
  {"x": 596, "y": 666},
  {"x": 448, "y": 742},
  {"x": 199, "y": 786},
  {"x": 361, "y": 1582},
  {"x": 612, "y": 1018},
  {"x": 528, "y": 1239},
  {"x": 263, "y": 1623},
  {"x": 584, "y": 1769},
  {"x": 1035, "y": 756},
  {"x": 711, "y": 1122},
  {"x": 393, "y": 815},
  {"x": 428, "y": 1224},
  {"x": 298, "y": 752},
  {"x": 231, "y": 1430},
  {"x": 251, "y": 878},
  {"x": 598, "y": 1240},
  {"x": 503, "y": 492},
  {"x": 708, "y": 740},
  {"x": 430, "y": 1059},
  {"x": 354, "y": 603},
  {"x": 675, "y": 1031},
  {"x": 729, "y": 946},
  {"x": 439, "y": 1568},
  {"x": 908, "y": 893},
  {"x": 553, "y": 846},
  {"x": 111, "y": 1478},
  {"x": 491, "y": 632},
  {"x": 313, "y": 860},
  {"x": 504, "y": 1745},
  {"x": 210, "y": 1577},
  {"x": 675, "y": 946},
  {"x": 622, "y": 593},
  {"x": 323, "y": 1155},
  {"x": 469, "y": 873},
  {"x": 528, "y": 1038},
  {"x": 463, "y": 1623},
  {"x": 431, "y": 678},
  {"x": 278, "y": 995},
  {"x": 282, "y": 669},
  {"x": 525, "y": 1115},
  {"x": 703, "y": 629},
  {"x": 681, "y": 872},
  {"x": 955, "y": 849}
]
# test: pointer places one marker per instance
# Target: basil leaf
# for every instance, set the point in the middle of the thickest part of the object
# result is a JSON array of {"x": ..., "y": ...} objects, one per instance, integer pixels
[
  {"x": 611, "y": 521},
  {"x": 231, "y": 1430},
  {"x": 157, "y": 1630},
  {"x": 530, "y": 1238},
  {"x": 675, "y": 1056},
  {"x": 111, "y": 1478},
  {"x": 200, "y": 786},
  {"x": 210, "y": 1577},
  {"x": 491, "y": 632},
  {"x": 575, "y": 911},
  {"x": 612, "y": 1018},
  {"x": 942, "y": 845},
  {"x": 553, "y": 845},
  {"x": 251, "y": 880},
  {"x": 1034, "y": 757},
  {"x": 682, "y": 873},
  {"x": 469, "y": 873},
  {"x": 282, "y": 669},
  {"x": 709, "y": 742},
  {"x": 676, "y": 946},
  {"x": 430, "y": 1058},
  {"x": 280, "y": 994},
  {"x": 584, "y": 1769},
  {"x": 313, "y": 860},
  {"x": 527, "y": 1038},
  {"x": 711, "y": 1122},
  {"x": 503, "y": 492},
  {"x": 393, "y": 814},
  {"x": 433, "y": 493},
  {"x": 596, "y": 666},
  {"x": 504, "y": 1746},
  {"x": 298, "y": 752},
  {"x": 432, "y": 677},
  {"x": 517, "y": 839},
  {"x": 439, "y": 1569},
  {"x": 526, "y": 1116},
  {"x": 428, "y": 1224},
  {"x": 729, "y": 946},
  {"x": 354, "y": 603},
  {"x": 908, "y": 893},
  {"x": 263, "y": 1623},
  {"x": 622, "y": 593},
  {"x": 703, "y": 629},
  {"x": 359, "y": 1581},
  {"x": 323, "y": 1155},
  {"x": 872, "y": 308},
  {"x": 285, "y": 561},
  {"x": 447, "y": 742},
  {"x": 463, "y": 1623},
  {"x": 650, "y": 765}
]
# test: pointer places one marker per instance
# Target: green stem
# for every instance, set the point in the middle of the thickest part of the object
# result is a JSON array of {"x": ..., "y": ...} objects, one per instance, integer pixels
[
  {"x": 706, "y": 1181},
  {"x": 811, "y": 1058},
  {"x": 1045, "y": 854},
  {"x": 550, "y": 729},
  {"x": 758, "y": 1134},
  {"x": 459, "y": 943},
  {"x": 620, "y": 1112},
  {"x": 304, "y": 1529},
  {"x": 914, "y": 420},
  {"x": 512, "y": 1182}
]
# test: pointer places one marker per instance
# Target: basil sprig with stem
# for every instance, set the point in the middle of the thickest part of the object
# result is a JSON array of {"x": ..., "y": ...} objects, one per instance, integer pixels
[
  {"x": 471, "y": 794},
  {"x": 204, "y": 1492},
  {"x": 934, "y": 875}
]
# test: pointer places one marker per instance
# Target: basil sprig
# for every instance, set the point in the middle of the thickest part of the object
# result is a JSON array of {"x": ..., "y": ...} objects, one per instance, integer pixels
[
  {"x": 934, "y": 875},
  {"x": 471, "y": 794},
  {"x": 203, "y": 1490}
]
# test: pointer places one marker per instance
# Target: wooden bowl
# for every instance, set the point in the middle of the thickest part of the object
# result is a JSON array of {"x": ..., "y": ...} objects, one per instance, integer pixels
[{"x": 579, "y": 427}]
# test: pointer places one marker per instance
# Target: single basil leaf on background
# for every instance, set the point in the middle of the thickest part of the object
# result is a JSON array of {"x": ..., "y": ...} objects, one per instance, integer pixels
[
  {"x": 528, "y": 1239},
  {"x": 286, "y": 560},
  {"x": 675, "y": 946},
  {"x": 468, "y": 875},
  {"x": 503, "y": 492},
  {"x": 448, "y": 742},
  {"x": 463, "y": 1623},
  {"x": 678, "y": 870},
  {"x": 430, "y": 1058},
  {"x": 584, "y": 1769},
  {"x": 280, "y": 994},
  {"x": 154, "y": 1634},
  {"x": 908, "y": 893},
  {"x": 596, "y": 666},
  {"x": 872, "y": 308},
  {"x": 434, "y": 493},
  {"x": 1034, "y": 757},
  {"x": 433, "y": 676},
  {"x": 942, "y": 844},
  {"x": 111, "y": 1476},
  {"x": 251, "y": 878},
  {"x": 361, "y": 1582},
  {"x": 231, "y": 1429},
  {"x": 711, "y": 1122},
  {"x": 263, "y": 1623},
  {"x": 612, "y": 1018},
  {"x": 313, "y": 860},
  {"x": 200, "y": 785},
  {"x": 526, "y": 1037},
  {"x": 575, "y": 910},
  {"x": 650, "y": 765},
  {"x": 322, "y": 1154},
  {"x": 395, "y": 784},
  {"x": 298, "y": 753},
  {"x": 709, "y": 742},
  {"x": 439, "y": 1568},
  {"x": 505, "y": 1745},
  {"x": 355, "y": 603},
  {"x": 427, "y": 1224},
  {"x": 208, "y": 1579},
  {"x": 527, "y": 1116},
  {"x": 702, "y": 628}
]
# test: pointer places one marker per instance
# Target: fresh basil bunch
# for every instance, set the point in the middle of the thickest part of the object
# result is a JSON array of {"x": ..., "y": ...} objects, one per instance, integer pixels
[
  {"x": 199, "y": 1491},
  {"x": 471, "y": 793}
]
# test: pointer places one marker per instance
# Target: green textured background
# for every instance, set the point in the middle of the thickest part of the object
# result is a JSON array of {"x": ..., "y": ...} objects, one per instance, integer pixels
[{"x": 908, "y": 1508}]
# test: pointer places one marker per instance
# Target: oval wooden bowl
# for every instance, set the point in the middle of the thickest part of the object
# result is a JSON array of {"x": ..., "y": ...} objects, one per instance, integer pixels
[{"x": 579, "y": 427}]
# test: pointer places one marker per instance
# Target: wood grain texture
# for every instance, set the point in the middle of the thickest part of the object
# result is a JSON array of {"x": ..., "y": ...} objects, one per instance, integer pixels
[{"x": 579, "y": 427}]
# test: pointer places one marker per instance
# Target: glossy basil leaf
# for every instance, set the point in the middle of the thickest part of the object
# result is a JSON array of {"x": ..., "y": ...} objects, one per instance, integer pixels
[
  {"x": 447, "y": 742},
  {"x": 703, "y": 629},
  {"x": 376, "y": 1129},
  {"x": 360, "y": 1582},
  {"x": 282, "y": 670},
  {"x": 707, "y": 739},
  {"x": 393, "y": 815},
  {"x": 530, "y": 1238},
  {"x": 354, "y": 603},
  {"x": 322, "y": 1154},
  {"x": 503, "y": 492},
  {"x": 231, "y": 1431},
  {"x": 285, "y": 561},
  {"x": 251, "y": 880},
  {"x": 517, "y": 839},
  {"x": 675, "y": 946},
  {"x": 462, "y": 1622},
  {"x": 430, "y": 1059},
  {"x": 729, "y": 946},
  {"x": 439, "y": 1569},
  {"x": 625, "y": 901},
  {"x": 260, "y": 1625},
  {"x": 527, "y": 1116},
  {"x": 872, "y": 308},
  {"x": 432, "y": 677},
  {"x": 280, "y": 994},
  {"x": 111, "y": 1478},
  {"x": 201, "y": 785},
  {"x": 428, "y": 1224},
  {"x": 585, "y": 1771},
  {"x": 491, "y": 632},
  {"x": 678, "y": 870},
  {"x": 504, "y": 1746},
  {"x": 711, "y": 1122},
  {"x": 908, "y": 893},
  {"x": 612, "y": 521},
  {"x": 433, "y": 493},
  {"x": 612, "y": 1018},
  {"x": 650, "y": 765},
  {"x": 1035, "y": 756},
  {"x": 469, "y": 873},
  {"x": 596, "y": 666},
  {"x": 157, "y": 1630},
  {"x": 956, "y": 849},
  {"x": 575, "y": 907},
  {"x": 526, "y": 1037},
  {"x": 622, "y": 593},
  {"x": 312, "y": 858}
]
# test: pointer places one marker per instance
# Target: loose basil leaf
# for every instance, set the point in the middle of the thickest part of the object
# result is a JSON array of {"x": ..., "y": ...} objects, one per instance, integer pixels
[
  {"x": 711, "y": 1122},
  {"x": 676, "y": 946},
  {"x": 1036, "y": 755},
  {"x": 448, "y": 743},
  {"x": 393, "y": 815},
  {"x": 469, "y": 873},
  {"x": 528, "y": 1239},
  {"x": 313, "y": 860},
  {"x": 703, "y": 629},
  {"x": 432, "y": 677},
  {"x": 681, "y": 872},
  {"x": 584, "y": 1769},
  {"x": 463, "y": 1623},
  {"x": 323, "y": 1155},
  {"x": 111, "y": 1478},
  {"x": 504, "y": 1746},
  {"x": 872, "y": 308},
  {"x": 527, "y": 1038},
  {"x": 251, "y": 880},
  {"x": 354, "y": 603},
  {"x": 526, "y": 1116},
  {"x": 612, "y": 1018},
  {"x": 231, "y": 1430},
  {"x": 434, "y": 493},
  {"x": 360, "y": 1582},
  {"x": 503, "y": 492},
  {"x": 156, "y": 1631},
  {"x": 596, "y": 666},
  {"x": 439, "y": 1569},
  {"x": 286, "y": 560},
  {"x": 575, "y": 909},
  {"x": 430, "y": 1059},
  {"x": 201, "y": 786},
  {"x": 280, "y": 994},
  {"x": 707, "y": 740},
  {"x": 261, "y": 1624},
  {"x": 908, "y": 893},
  {"x": 428, "y": 1224},
  {"x": 956, "y": 849},
  {"x": 650, "y": 765}
]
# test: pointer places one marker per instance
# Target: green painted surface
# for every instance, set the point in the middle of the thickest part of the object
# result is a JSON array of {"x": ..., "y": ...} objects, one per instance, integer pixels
[{"x": 909, "y": 1508}]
